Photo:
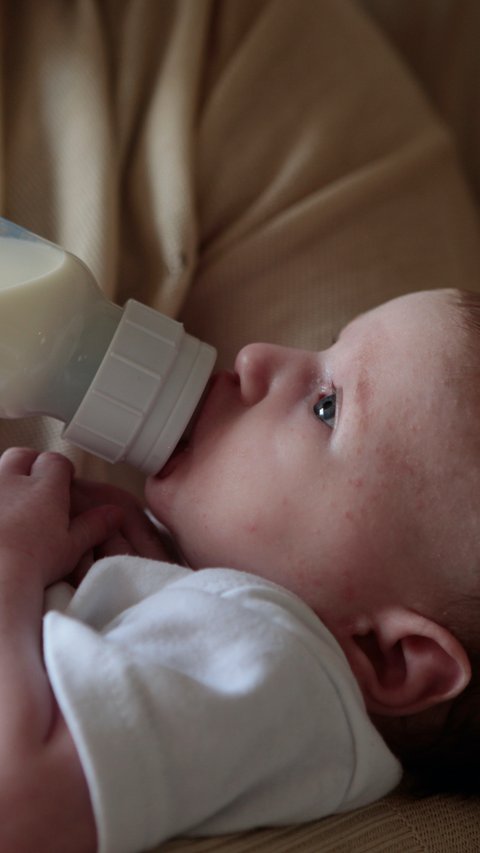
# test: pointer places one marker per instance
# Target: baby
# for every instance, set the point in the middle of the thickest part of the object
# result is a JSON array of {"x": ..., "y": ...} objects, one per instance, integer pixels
[{"x": 330, "y": 501}]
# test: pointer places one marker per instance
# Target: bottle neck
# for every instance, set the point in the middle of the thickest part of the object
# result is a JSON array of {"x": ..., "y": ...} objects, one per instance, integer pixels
[{"x": 144, "y": 392}]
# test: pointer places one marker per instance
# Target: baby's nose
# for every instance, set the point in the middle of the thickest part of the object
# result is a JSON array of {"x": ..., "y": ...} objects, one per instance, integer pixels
[{"x": 257, "y": 365}]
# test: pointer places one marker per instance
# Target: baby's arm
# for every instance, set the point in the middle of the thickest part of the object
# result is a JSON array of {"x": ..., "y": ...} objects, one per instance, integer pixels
[{"x": 44, "y": 802}]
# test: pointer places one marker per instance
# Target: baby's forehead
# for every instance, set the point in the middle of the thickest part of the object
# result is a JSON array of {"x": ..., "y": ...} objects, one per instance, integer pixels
[
  {"x": 410, "y": 308},
  {"x": 422, "y": 325},
  {"x": 410, "y": 354}
]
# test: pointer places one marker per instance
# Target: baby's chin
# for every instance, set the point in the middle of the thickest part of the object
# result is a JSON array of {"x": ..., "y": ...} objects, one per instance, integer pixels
[{"x": 163, "y": 503}]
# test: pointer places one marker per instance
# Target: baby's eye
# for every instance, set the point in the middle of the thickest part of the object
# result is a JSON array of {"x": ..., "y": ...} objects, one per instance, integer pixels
[{"x": 325, "y": 409}]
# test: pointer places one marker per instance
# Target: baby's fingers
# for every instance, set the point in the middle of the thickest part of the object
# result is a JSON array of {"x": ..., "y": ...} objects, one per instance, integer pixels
[
  {"x": 55, "y": 466},
  {"x": 17, "y": 460},
  {"x": 82, "y": 568},
  {"x": 93, "y": 527},
  {"x": 116, "y": 545}
]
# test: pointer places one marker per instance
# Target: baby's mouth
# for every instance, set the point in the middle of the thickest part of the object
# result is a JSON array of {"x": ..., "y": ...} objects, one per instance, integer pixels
[
  {"x": 184, "y": 441},
  {"x": 190, "y": 428}
]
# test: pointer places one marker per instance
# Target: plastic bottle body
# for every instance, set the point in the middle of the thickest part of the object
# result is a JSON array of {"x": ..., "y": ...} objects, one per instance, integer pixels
[
  {"x": 124, "y": 381},
  {"x": 55, "y": 327}
]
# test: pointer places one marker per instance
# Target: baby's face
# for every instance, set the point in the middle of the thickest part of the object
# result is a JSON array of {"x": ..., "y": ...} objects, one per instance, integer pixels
[{"x": 338, "y": 474}]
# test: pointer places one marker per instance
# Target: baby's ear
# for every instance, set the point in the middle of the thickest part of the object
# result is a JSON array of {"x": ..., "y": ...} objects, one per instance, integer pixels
[{"x": 405, "y": 663}]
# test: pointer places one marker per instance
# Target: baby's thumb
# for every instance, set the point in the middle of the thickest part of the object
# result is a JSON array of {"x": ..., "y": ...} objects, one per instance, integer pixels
[{"x": 94, "y": 526}]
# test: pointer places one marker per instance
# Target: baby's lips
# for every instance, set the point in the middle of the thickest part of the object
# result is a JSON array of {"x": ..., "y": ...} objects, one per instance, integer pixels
[
  {"x": 189, "y": 429},
  {"x": 184, "y": 440},
  {"x": 225, "y": 376}
]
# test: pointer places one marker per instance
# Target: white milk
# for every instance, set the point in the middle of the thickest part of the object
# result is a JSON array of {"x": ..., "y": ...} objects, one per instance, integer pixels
[{"x": 55, "y": 326}]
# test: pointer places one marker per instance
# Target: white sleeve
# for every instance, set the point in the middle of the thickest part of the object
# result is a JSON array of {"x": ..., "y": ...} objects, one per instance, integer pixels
[{"x": 215, "y": 704}]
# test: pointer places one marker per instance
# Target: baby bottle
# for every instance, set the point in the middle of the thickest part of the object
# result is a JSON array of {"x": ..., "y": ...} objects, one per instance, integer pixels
[{"x": 125, "y": 381}]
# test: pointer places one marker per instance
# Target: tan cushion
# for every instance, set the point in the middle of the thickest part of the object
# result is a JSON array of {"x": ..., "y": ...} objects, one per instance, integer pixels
[
  {"x": 262, "y": 169},
  {"x": 396, "y": 824}
]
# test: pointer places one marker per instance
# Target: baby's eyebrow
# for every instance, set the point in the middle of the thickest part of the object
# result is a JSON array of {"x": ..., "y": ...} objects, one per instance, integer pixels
[{"x": 363, "y": 393}]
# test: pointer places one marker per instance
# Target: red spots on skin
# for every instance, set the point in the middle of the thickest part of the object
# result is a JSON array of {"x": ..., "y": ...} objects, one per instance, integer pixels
[
  {"x": 356, "y": 482},
  {"x": 349, "y": 592}
]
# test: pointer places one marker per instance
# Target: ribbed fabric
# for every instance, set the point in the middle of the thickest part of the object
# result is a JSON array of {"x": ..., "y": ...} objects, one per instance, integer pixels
[{"x": 397, "y": 824}]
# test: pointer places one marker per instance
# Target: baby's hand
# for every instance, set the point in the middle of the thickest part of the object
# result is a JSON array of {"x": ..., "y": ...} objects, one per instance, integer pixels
[
  {"x": 136, "y": 536},
  {"x": 36, "y": 531}
]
